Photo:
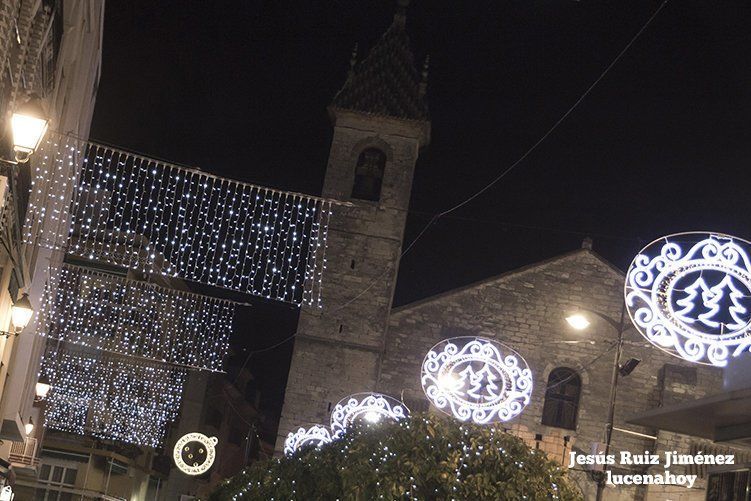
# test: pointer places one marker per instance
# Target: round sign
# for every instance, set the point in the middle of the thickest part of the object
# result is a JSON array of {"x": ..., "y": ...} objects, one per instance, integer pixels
[
  {"x": 689, "y": 294},
  {"x": 315, "y": 436},
  {"x": 367, "y": 407},
  {"x": 476, "y": 379},
  {"x": 194, "y": 453}
]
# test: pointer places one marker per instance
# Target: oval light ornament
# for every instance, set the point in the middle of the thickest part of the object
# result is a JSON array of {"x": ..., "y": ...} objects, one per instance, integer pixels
[
  {"x": 689, "y": 294},
  {"x": 477, "y": 379}
]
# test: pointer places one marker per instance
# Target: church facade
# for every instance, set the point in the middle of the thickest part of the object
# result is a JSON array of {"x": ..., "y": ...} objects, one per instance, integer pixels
[{"x": 357, "y": 342}]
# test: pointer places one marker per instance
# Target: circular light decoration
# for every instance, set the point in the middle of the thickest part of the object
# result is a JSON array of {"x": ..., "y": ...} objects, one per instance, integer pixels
[
  {"x": 194, "y": 453},
  {"x": 316, "y": 435},
  {"x": 689, "y": 294},
  {"x": 367, "y": 407},
  {"x": 477, "y": 379}
]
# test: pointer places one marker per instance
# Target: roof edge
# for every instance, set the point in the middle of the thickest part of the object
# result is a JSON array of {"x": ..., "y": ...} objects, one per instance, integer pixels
[
  {"x": 505, "y": 274},
  {"x": 422, "y": 128}
]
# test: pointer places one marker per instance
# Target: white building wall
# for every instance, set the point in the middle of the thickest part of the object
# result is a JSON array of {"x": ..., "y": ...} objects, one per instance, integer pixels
[{"x": 70, "y": 103}]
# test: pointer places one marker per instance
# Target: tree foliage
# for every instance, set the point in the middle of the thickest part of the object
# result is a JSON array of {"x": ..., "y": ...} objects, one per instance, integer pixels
[{"x": 423, "y": 457}]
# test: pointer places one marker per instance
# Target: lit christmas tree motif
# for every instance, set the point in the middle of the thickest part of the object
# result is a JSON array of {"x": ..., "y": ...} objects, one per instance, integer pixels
[
  {"x": 690, "y": 294},
  {"x": 476, "y": 379},
  {"x": 482, "y": 383},
  {"x": 713, "y": 300}
]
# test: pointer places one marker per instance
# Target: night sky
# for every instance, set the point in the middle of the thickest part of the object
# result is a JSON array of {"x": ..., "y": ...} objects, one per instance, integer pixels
[{"x": 660, "y": 146}]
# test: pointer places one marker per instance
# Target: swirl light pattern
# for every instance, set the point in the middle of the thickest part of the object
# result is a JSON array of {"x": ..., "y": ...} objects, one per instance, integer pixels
[
  {"x": 689, "y": 294},
  {"x": 368, "y": 407},
  {"x": 316, "y": 435},
  {"x": 194, "y": 453},
  {"x": 476, "y": 379}
]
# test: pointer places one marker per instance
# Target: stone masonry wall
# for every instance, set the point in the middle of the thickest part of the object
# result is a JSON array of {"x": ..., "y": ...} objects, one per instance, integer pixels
[
  {"x": 338, "y": 347},
  {"x": 526, "y": 310}
]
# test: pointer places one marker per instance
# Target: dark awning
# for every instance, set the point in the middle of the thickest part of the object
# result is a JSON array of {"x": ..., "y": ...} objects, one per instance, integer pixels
[{"x": 722, "y": 418}]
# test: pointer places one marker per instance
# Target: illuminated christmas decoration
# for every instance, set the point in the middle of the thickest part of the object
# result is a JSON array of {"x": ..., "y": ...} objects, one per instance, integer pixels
[
  {"x": 315, "y": 436},
  {"x": 109, "y": 396},
  {"x": 423, "y": 457},
  {"x": 136, "y": 318},
  {"x": 369, "y": 407},
  {"x": 147, "y": 215},
  {"x": 194, "y": 453},
  {"x": 476, "y": 379},
  {"x": 689, "y": 294}
]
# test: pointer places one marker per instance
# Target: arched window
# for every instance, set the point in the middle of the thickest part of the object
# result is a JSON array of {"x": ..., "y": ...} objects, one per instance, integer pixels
[
  {"x": 369, "y": 175},
  {"x": 562, "y": 398}
]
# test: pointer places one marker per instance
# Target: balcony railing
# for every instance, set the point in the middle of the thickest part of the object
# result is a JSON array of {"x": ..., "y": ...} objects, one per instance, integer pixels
[{"x": 24, "y": 453}]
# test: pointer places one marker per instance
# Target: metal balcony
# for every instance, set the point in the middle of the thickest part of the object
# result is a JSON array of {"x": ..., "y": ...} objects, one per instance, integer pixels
[{"x": 24, "y": 453}]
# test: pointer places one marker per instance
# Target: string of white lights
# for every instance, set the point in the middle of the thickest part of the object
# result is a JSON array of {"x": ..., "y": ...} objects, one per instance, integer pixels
[
  {"x": 128, "y": 210},
  {"x": 134, "y": 318},
  {"x": 110, "y": 397}
]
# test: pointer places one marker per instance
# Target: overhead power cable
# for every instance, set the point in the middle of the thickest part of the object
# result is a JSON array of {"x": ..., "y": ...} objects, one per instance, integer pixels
[{"x": 495, "y": 180}]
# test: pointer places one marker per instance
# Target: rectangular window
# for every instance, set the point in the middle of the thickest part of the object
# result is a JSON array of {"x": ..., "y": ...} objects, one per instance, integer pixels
[
  {"x": 729, "y": 486},
  {"x": 70, "y": 476},
  {"x": 56, "y": 476},
  {"x": 44, "y": 473}
]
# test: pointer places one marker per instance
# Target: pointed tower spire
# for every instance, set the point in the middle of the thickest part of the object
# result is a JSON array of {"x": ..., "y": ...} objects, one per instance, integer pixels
[
  {"x": 400, "y": 16},
  {"x": 352, "y": 62},
  {"x": 386, "y": 82}
]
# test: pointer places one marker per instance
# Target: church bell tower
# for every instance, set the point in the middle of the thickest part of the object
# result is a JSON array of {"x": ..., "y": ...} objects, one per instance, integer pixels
[{"x": 380, "y": 121}]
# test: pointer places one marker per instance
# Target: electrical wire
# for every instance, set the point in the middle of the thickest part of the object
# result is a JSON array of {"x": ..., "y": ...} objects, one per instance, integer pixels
[
  {"x": 495, "y": 180},
  {"x": 579, "y": 372},
  {"x": 513, "y": 166},
  {"x": 560, "y": 120},
  {"x": 534, "y": 227}
]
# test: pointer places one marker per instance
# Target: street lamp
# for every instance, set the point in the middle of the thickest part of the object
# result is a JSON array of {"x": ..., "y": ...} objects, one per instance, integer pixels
[
  {"x": 29, "y": 123},
  {"x": 21, "y": 312},
  {"x": 43, "y": 387},
  {"x": 579, "y": 321},
  {"x": 29, "y": 427}
]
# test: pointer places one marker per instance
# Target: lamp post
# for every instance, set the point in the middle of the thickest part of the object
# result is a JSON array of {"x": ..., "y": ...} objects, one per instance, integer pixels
[
  {"x": 29, "y": 426},
  {"x": 29, "y": 124},
  {"x": 21, "y": 312},
  {"x": 20, "y": 315},
  {"x": 42, "y": 388},
  {"x": 579, "y": 321}
]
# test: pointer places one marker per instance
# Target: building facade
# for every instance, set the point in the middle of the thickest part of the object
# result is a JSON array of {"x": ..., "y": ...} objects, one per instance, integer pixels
[
  {"x": 526, "y": 309},
  {"x": 358, "y": 342},
  {"x": 51, "y": 48},
  {"x": 221, "y": 405},
  {"x": 378, "y": 133}
]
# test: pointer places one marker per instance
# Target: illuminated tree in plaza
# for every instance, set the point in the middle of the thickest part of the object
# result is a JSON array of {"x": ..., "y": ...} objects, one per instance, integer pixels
[{"x": 421, "y": 457}]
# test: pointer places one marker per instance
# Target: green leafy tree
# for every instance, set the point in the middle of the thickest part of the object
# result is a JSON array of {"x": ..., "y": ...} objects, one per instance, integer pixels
[{"x": 424, "y": 457}]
